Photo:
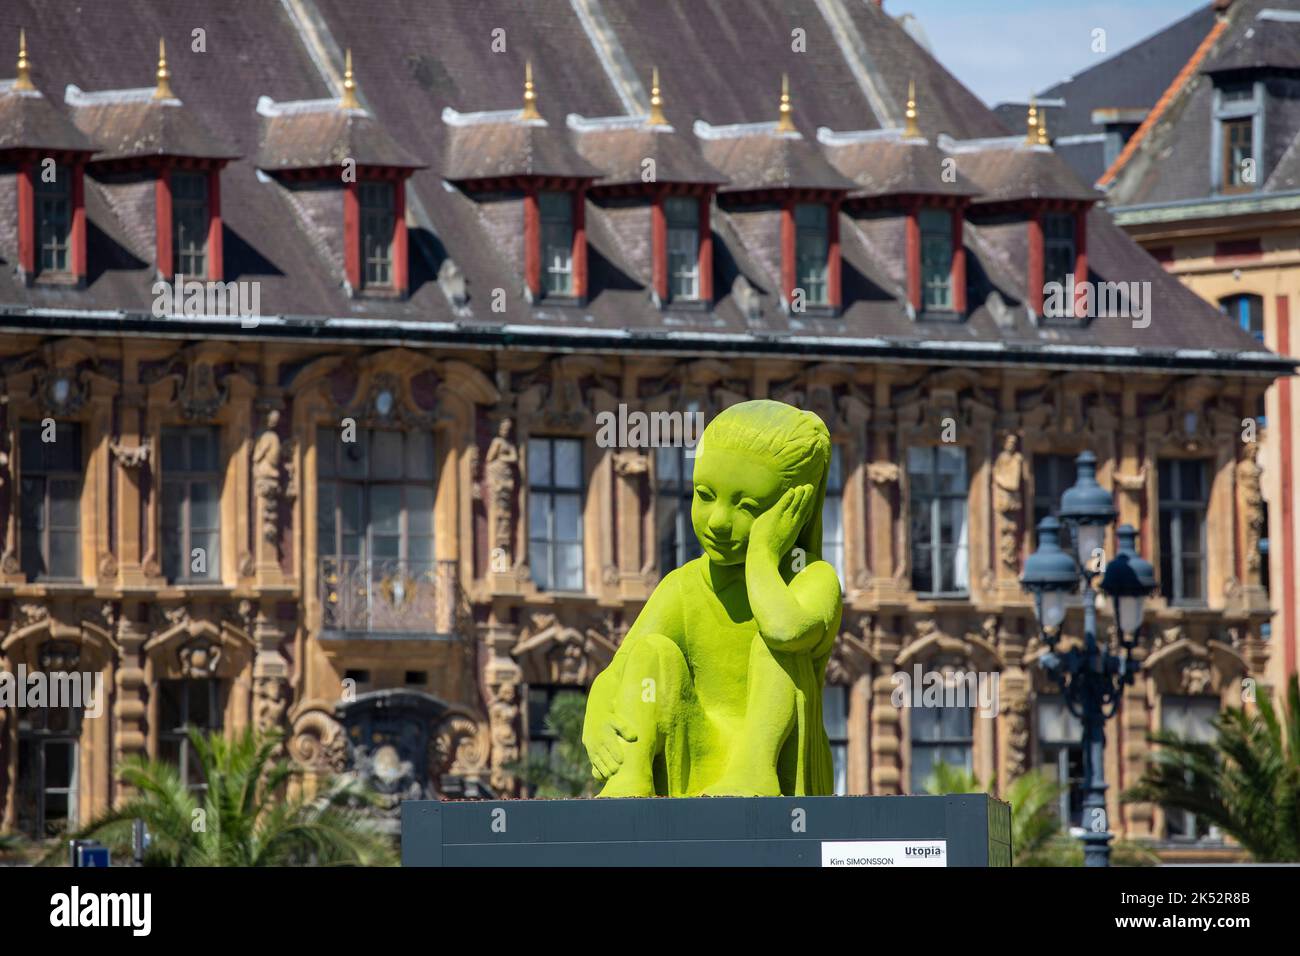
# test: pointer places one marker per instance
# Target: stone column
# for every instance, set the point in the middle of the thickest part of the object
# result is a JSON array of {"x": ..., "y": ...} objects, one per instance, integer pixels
[
  {"x": 886, "y": 730},
  {"x": 132, "y": 458},
  {"x": 129, "y": 711},
  {"x": 271, "y": 689},
  {"x": 1133, "y": 726},
  {"x": 860, "y": 738},
  {"x": 502, "y": 678}
]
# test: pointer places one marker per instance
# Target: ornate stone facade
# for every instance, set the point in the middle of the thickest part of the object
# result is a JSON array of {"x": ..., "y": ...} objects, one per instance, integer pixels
[{"x": 262, "y": 631}]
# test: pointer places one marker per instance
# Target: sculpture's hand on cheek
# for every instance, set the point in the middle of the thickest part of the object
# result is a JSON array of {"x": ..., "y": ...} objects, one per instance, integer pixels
[{"x": 776, "y": 530}]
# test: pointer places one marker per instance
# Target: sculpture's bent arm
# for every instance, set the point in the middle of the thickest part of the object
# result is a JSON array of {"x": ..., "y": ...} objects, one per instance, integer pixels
[{"x": 794, "y": 617}]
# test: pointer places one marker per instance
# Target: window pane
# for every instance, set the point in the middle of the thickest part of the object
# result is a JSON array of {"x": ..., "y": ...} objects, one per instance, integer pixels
[
  {"x": 936, "y": 267},
  {"x": 556, "y": 206},
  {"x": 65, "y": 499},
  {"x": 352, "y": 463},
  {"x": 64, "y": 453},
  {"x": 952, "y": 468},
  {"x": 200, "y": 714},
  {"x": 568, "y": 463},
  {"x": 682, "y": 211},
  {"x": 386, "y": 454},
  {"x": 1056, "y": 723},
  {"x": 385, "y": 510},
  {"x": 173, "y": 449},
  {"x": 419, "y": 455},
  {"x": 205, "y": 505},
  {"x": 209, "y": 542},
  {"x": 419, "y": 509},
  {"x": 327, "y": 445},
  {"x": 835, "y": 712},
  {"x": 569, "y": 567},
  {"x": 539, "y": 462},
  {"x": 811, "y": 250},
  {"x": 419, "y": 551},
  {"x": 170, "y": 704},
  {"x": 172, "y": 528},
  {"x": 539, "y": 516},
  {"x": 64, "y": 549},
  {"x": 60, "y": 767},
  {"x": 568, "y": 518},
  {"x": 666, "y": 465}
]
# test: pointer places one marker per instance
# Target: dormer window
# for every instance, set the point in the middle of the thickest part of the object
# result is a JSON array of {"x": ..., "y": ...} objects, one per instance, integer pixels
[
  {"x": 812, "y": 251},
  {"x": 191, "y": 223},
  {"x": 556, "y": 213},
  {"x": 377, "y": 233},
  {"x": 655, "y": 185},
  {"x": 301, "y": 143},
  {"x": 178, "y": 157},
  {"x": 42, "y": 162},
  {"x": 683, "y": 218},
  {"x": 936, "y": 259},
  {"x": 54, "y": 222},
  {"x": 782, "y": 187},
  {"x": 1236, "y": 135}
]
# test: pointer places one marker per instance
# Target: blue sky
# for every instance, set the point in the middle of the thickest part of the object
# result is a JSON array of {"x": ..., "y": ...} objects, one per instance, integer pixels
[{"x": 1003, "y": 49}]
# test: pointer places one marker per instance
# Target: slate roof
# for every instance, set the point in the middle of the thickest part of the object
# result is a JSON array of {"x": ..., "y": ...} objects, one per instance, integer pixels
[
  {"x": 757, "y": 156},
  {"x": 619, "y": 148},
  {"x": 502, "y": 144},
  {"x": 1132, "y": 79},
  {"x": 413, "y": 61},
  {"x": 1009, "y": 169},
  {"x": 1170, "y": 160},
  {"x": 318, "y": 133},
  {"x": 1269, "y": 42},
  {"x": 130, "y": 124},
  {"x": 891, "y": 165},
  {"x": 29, "y": 121}
]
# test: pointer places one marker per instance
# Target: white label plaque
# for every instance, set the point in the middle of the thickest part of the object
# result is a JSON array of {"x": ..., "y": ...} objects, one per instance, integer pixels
[{"x": 885, "y": 853}]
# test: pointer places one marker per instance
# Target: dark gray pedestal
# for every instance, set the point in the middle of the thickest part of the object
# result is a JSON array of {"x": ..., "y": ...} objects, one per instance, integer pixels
[{"x": 956, "y": 830}]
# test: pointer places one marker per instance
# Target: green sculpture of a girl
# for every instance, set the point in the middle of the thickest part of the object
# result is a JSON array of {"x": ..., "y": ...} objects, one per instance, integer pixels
[{"x": 717, "y": 688}]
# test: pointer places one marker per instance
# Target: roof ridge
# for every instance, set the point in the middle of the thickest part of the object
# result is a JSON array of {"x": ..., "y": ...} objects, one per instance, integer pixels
[{"x": 1166, "y": 98}]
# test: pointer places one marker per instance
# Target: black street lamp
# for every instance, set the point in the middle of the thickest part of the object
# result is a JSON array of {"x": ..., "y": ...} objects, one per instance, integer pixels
[{"x": 1093, "y": 678}]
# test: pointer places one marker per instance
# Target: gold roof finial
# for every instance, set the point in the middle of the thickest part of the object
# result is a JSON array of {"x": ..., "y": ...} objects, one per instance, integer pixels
[
  {"x": 784, "y": 123},
  {"x": 164, "y": 88},
  {"x": 911, "y": 130},
  {"x": 24, "y": 81},
  {"x": 530, "y": 95},
  {"x": 1031, "y": 125},
  {"x": 656, "y": 117},
  {"x": 349, "y": 100},
  {"x": 1042, "y": 129}
]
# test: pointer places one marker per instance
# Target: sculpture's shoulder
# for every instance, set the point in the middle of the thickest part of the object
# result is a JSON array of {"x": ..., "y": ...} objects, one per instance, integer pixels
[{"x": 666, "y": 609}]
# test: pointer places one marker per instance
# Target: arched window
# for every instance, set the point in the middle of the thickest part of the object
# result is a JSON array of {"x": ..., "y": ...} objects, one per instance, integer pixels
[{"x": 1247, "y": 310}]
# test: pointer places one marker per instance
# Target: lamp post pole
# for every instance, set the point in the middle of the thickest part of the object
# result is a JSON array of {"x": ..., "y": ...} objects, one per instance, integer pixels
[
  {"x": 1091, "y": 682},
  {"x": 1092, "y": 678}
]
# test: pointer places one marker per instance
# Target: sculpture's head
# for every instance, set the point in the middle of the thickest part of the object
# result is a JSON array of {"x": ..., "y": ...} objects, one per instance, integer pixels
[{"x": 747, "y": 458}]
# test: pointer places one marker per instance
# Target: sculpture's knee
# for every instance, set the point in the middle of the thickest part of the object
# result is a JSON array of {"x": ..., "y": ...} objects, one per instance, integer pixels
[
  {"x": 657, "y": 669},
  {"x": 659, "y": 651}
]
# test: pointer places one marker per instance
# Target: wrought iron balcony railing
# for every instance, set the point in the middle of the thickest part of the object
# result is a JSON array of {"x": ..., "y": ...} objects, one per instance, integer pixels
[{"x": 388, "y": 597}]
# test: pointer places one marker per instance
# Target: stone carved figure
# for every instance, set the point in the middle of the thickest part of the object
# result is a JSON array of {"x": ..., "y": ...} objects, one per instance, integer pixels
[
  {"x": 269, "y": 702},
  {"x": 1007, "y": 475},
  {"x": 1248, "y": 478},
  {"x": 502, "y": 715},
  {"x": 717, "y": 688},
  {"x": 266, "y": 476},
  {"x": 501, "y": 468}
]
